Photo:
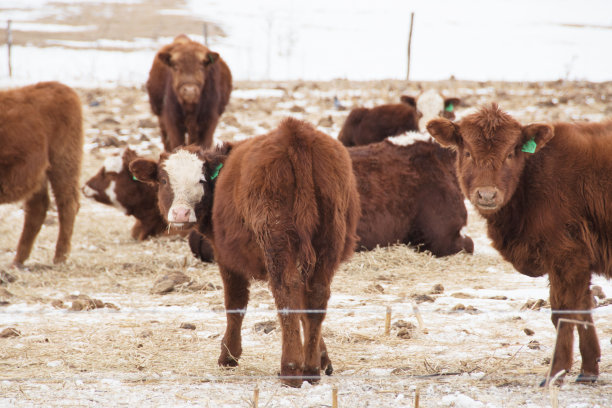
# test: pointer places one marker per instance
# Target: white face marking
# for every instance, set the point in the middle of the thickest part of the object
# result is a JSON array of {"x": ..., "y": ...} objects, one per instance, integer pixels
[
  {"x": 113, "y": 164},
  {"x": 409, "y": 138},
  {"x": 88, "y": 191},
  {"x": 112, "y": 196},
  {"x": 185, "y": 173},
  {"x": 430, "y": 104}
]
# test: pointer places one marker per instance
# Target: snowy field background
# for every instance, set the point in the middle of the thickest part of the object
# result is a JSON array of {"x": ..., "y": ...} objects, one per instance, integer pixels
[
  {"x": 509, "y": 40},
  {"x": 292, "y": 58}
]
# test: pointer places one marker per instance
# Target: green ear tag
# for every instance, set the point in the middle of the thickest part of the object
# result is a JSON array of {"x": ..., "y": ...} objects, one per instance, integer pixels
[
  {"x": 134, "y": 178},
  {"x": 529, "y": 146},
  {"x": 449, "y": 108},
  {"x": 216, "y": 173}
]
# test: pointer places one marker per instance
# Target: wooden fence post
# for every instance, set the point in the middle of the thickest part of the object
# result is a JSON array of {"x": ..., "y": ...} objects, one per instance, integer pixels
[
  {"x": 409, "y": 44},
  {"x": 9, "y": 41}
]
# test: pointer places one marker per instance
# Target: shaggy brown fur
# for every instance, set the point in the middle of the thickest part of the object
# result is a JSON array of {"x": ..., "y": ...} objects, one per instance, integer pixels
[
  {"x": 284, "y": 208},
  {"x": 189, "y": 87},
  {"x": 41, "y": 142},
  {"x": 363, "y": 125},
  {"x": 547, "y": 212},
  {"x": 410, "y": 194}
]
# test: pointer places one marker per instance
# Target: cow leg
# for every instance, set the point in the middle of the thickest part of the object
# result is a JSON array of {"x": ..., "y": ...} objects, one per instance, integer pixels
[
  {"x": 325, "y": 360},
  {"x": 35, "y": 212},
  {"x": 288, "y": 289},
  {"x": 316, "y": 300},
  {"x": 573, "y": 294},
  {"x": 205, "y": 138},
  {"x": 65, "y": 184},
  {"x": 236, "y": 291}
]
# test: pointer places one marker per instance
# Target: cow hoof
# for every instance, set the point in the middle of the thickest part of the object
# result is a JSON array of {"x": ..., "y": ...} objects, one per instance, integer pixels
[
  {"x": 586, "y": 378},
  {"x": 558, "y": 382},
  {"x": 60, "y": 259},
  {"x": 291, "y": 376},
  {"x": 312, "y": 375},
  {"x": 329, "y": 370},
  {"x": 19, "y": 265},
  {"x": 228, "y": 362}
]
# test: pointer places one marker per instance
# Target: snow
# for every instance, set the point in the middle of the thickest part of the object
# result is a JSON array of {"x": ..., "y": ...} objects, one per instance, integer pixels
[{"x": 512, "y": 40}]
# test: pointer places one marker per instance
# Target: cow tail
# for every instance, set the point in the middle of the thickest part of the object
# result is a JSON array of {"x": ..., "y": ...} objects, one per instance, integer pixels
[{"x": 305, "y": 208}]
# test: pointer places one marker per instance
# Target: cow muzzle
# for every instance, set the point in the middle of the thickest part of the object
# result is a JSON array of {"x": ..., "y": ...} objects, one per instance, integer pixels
[
  {"x": 180, "y": 214},
  {"x": 189, "y": 93},
  {"x": 487, "y": 199}
]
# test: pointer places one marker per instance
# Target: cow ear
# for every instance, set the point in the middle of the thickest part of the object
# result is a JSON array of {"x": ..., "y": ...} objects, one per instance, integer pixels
[
  {"x": 535, "y": 136},
  {"x": 128, "y": 155},
  {"x": 144, "y": 170},
  {"x": 445, "y": 132},
  {"x": 166, "y": 58},
  {"x": 211, "y": 58},
  {"x": 451, "y": 103},
  {"x": 408, "y": 100}
]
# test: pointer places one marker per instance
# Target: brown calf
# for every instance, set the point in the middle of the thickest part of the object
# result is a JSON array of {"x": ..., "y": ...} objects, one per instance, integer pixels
[
  {"x": 41, "y": 143},
  {"x": 115, "y": 185},
  {"x": 281, "y": 207},
  {"x": 409, "y": 194},
  {"x": 545, "y": 191},
  {"x": 189, "y": 87},
  {"x": 364, "y": 126}
]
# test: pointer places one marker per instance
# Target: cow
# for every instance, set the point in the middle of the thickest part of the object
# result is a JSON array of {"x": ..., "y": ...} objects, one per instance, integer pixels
[
  {"x": 41, "y": 143},
  {"x": 189, "y": 87},
  {"x": 281, "y": 207},
  {"x": 364, "y": 125},
  {"x": 116, "y": 186},
  {"x": 409, "y": 194},
  {"x": 545, "y": 191}
]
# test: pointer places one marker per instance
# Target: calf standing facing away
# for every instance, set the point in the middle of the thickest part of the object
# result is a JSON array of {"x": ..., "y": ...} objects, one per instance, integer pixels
[
  {"x": 546, "y": 193},
  {"x": 281, "y": 207},
  {"x": 409, "y": 194},
  {"x": 41, "y": 142},
  {"x": 189, "y": 87}
]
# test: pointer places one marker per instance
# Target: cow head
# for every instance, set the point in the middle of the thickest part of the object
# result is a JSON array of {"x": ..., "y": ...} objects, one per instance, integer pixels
[
  {"x": 190, "y": 63},
  {"x": 113, "y": 184},
  {"x": 492, "y": 149},
  {"x": 185, "y": 180},
  {"x": 432, "y": 104}
]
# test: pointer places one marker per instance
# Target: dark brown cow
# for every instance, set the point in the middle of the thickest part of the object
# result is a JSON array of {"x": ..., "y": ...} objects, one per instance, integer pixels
[
  {"x": 409, "y": 194},
  {"x": 282, "y": 207},
  {"x": 546, "y": 193},
  {"x": 371, "y": 125},
  {"x": 41, "y": 143},
  {"x": 189, "y": 87},
  {"x": 364, "y": 126}
]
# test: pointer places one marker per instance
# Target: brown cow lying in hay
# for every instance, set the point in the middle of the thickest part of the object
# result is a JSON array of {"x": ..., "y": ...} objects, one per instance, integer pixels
[
  {"x": 116, "y": 186},
  {"x": 281, "y": 207},
  {"x": 189, "y": 87},
  {"x": 546, "y": 193},
  {"x": 41, "y": 143},
  {"x": 409, "y": 194}
]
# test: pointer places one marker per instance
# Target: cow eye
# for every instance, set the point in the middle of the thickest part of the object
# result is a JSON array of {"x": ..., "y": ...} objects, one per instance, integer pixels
[
  {"x": 202, "y": 180},
  {"x": 510, "y": 156},
  {"x": 467, "y": 154},
  {"x": 164, "y": 181}
]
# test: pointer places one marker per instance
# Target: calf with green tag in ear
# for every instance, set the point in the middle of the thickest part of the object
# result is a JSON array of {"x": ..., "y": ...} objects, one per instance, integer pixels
[{"x": 545, "y": 191}]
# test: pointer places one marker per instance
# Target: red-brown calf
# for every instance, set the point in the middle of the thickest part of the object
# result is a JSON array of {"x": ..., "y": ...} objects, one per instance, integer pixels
[
  {"x": 281, "y": 207},
  {"x": 41, "y": 143},
  {"x": 409, "y": 194},
  {"x": 189, "y": 87},
  {"x": 545, "y": 191}
]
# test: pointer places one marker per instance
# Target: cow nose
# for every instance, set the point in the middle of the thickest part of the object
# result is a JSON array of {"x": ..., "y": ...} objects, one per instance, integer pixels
[
  {"x": 486, "y": 197},
  {"x": 190, "y": 93},
  {"x": 180, "y": 214}
]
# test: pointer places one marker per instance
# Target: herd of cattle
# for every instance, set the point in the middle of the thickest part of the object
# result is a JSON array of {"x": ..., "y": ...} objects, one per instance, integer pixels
[{"x": 289, "y": 206}]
